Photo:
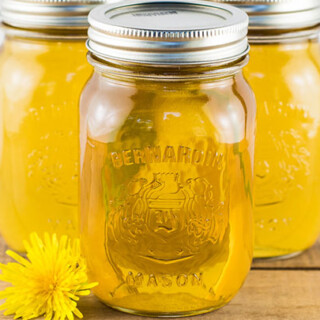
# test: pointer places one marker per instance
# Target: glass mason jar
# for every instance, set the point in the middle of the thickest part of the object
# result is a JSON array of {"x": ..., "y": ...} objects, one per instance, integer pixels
[
  {"x": 167, "y": 141},
  {"x": 284, "y": 72},
  {"x": 43, "y": 69}
]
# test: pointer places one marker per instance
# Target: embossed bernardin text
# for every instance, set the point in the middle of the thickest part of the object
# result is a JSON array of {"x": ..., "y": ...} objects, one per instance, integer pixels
[{"x": 181, "y": 154}]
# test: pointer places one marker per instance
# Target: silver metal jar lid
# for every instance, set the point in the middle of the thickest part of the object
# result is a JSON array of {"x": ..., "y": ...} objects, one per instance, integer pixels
[
  {"x": 168, "y": 32},
  {"x": 279, "y": 14},
  {"x": 48, "y": 14}
]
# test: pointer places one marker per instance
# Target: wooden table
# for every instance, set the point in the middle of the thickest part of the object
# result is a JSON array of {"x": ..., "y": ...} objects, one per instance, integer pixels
[{"x": 284, "y": 290}]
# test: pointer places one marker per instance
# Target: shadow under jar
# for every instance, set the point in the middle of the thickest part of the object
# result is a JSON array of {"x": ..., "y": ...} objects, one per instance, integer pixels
[
  {"x": 43, "y": 69},
  {"x": 167, "y": 139},
  {"x": 284, "y": 72}
]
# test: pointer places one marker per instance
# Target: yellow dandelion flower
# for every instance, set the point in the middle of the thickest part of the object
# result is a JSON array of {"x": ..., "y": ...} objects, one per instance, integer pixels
[{"x": 48, "y": 283}]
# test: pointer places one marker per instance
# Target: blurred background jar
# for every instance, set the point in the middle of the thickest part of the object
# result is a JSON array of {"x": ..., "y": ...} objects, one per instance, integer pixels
[
  {"x": 284, "y": 72},
  {"x": 43, "y": 68},
  {"x": 167, "y": 139}
]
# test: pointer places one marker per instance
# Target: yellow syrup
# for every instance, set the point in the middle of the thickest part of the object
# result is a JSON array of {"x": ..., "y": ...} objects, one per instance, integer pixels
[{"x": 40, "y": 83}]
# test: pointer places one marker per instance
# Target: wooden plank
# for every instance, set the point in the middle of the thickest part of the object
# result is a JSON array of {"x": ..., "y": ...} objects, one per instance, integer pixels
[
  {"x": 267, "y": 295},
  {"x": 310, "y": 259},
  {"x": 3, "y": 248}
]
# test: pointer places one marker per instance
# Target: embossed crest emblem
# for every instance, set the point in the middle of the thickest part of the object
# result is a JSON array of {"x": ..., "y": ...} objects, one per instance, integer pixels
[
  {"x": 168, "y": 218},
  {"x": 283, "y": 151}
]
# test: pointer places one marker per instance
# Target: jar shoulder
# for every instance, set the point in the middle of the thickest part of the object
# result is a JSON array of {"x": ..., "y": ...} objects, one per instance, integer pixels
[
  {"x": 42, "y": 71},
  {"x": 25, "y": 60},
  {"x": 285, "y": 80},
  {"x": 283, "y": 65},
  {"x": 111, "y": 108}
]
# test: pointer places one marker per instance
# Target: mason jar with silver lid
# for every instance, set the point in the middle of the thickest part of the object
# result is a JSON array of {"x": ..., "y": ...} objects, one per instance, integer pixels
[
  {"x": 167, "y": 139},
  {"x": 43, "y": 68},
  {"x": 284, "y": 71}
]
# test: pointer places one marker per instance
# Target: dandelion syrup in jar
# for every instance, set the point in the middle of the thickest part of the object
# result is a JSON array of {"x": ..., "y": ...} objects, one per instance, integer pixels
[
  {"x": 284, "y": 72},
  {"x": 167, "y": 137},
  {"x": 43, "y": 69}
]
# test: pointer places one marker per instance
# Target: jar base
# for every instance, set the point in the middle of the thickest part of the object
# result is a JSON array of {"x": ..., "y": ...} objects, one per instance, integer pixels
[
  {"x": 270, "y": 258},
  {"x": 164, "y": 314}
]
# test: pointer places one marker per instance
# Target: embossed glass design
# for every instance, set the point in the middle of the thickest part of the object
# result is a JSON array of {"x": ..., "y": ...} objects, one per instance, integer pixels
[
  {"x": 286, "y": 80},
  {"x": 40, "y": 83},
  {"x": 166, "y": 190}
]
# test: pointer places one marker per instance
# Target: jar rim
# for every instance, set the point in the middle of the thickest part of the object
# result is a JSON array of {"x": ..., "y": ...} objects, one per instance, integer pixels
[
  {"x": 175, "y": 73},
  {"x": 45, "y": 34},
  {"x": 284, "y": 36}
]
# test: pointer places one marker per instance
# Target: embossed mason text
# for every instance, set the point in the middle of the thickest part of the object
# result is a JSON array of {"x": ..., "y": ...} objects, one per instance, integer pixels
[{"x": 164, "y": 280}]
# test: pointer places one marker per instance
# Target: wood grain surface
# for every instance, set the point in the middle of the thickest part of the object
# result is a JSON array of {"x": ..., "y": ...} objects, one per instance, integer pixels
[{"x": 284, "y": 290}]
